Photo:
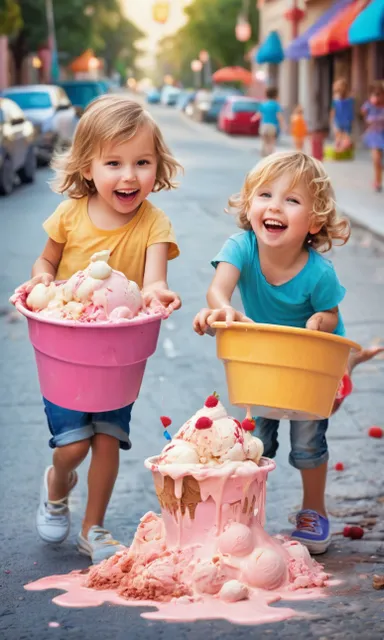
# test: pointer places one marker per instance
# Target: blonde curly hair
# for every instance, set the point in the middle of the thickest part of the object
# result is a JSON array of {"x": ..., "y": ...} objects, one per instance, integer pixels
[
  {"x": 302, "y": 168},
  {"x": 111, "y": 118}
]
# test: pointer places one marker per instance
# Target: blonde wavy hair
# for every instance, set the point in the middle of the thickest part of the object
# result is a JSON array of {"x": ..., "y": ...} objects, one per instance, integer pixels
[
  {"x": 302, "y": 168},
  {"x": 108, "y": 119}
]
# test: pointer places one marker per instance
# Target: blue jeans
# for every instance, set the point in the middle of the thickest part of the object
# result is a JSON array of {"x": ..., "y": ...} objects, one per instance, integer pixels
[
  {"x": 309, "y": 447},
  {"x": 67, "y": 426}
]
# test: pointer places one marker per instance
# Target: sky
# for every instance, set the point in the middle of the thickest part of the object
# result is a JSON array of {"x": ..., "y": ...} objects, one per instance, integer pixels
[{"x": 140, "y": 12}]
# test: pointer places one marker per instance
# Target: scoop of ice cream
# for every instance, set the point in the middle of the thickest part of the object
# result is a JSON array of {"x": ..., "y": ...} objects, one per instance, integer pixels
[
  {"x": 41, "y": 296},
  {"x": 99, "y": 293},
  {"x": 233, "y": 591},
  {"x": 236, "y": 540},
  {"x": 210, "y": 575},
  {"x": 216, "y": 438},
  {"x": 265, "y": 569},
  {"x": 179, "y": 452}
]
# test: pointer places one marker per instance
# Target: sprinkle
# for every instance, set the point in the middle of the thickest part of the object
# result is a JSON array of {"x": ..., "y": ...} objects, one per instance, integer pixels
[
  {"x": 165, "y": 421},
  {"x": 54, "y": 625},
  {"x": 167, "y": 435}
]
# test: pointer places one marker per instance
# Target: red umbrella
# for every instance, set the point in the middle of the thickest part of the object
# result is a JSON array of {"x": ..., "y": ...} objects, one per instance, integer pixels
[{"x": 233, "y": 74}]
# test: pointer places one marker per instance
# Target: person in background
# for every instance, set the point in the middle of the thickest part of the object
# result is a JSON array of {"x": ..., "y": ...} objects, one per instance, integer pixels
[
  {"x": 342, "y": 115},
  {"x": 373, "y": 112},
  {"x": 271, "y": 119},
  {"x": 298, "y": 127}
]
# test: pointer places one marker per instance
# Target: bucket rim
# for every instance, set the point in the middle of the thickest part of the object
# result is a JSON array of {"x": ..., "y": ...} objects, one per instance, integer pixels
[
  {"x": 294, "y": 331},
  {"x": 143, "y": 320}
]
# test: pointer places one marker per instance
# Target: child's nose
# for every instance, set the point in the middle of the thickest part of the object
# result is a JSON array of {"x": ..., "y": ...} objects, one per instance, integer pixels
[{"x": 129, "y": 174}]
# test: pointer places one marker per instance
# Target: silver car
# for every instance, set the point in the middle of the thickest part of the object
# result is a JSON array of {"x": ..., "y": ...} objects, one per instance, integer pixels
[{"x": 50, "y": 110}]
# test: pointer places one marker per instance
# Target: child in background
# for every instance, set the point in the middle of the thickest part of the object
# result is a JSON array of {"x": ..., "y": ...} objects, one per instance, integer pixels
[
  {"x": 373, "y": 112},
  {"x": 298, "y": 128},
  {"x": 271, "y": 121},
  {"x": 342, "y": 115},
  {"x": 287, "y": 211},
  {"x": 117, "y": 159}
]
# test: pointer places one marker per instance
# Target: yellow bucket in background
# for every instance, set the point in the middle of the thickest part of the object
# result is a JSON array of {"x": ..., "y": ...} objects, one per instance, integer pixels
[{"x": 282, "y": 372}]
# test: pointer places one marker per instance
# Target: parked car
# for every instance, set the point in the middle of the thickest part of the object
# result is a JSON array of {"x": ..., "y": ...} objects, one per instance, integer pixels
[
  {"x": 17, "y": 146},
  {"x": 207, "y": 104},
  {"x": 51, "y": 112},
  {"x": 185, "y": 98},
  {"x": 235, "y": 116},
  {"x": 169, "y": 95},
  {"x": 82, "y": 92},
  {"x": 153, "y": 96}
]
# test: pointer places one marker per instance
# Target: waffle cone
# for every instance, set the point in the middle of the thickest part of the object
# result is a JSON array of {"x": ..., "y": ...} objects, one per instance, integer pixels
[{"x": 189, "y": 500}]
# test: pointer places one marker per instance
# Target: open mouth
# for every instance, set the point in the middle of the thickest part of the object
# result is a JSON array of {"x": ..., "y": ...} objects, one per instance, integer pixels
[
  {"x": 274, "y": 226},
  {"x": 126, "y": 195}
]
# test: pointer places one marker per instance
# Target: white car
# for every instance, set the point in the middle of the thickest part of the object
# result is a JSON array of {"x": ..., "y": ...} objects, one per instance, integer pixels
[
  {"x": 50, "y": 110},
  {"x": 169, "y": 95}
]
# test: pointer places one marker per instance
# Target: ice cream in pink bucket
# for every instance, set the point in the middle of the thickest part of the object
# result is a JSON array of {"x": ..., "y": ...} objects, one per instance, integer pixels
[{"x": 92, "y": 337}]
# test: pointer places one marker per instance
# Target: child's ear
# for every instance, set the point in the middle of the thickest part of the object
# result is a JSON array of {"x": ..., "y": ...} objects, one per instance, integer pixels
[
  {"x": 315, "y": 226},
  {"x": 86, "y": 173}
]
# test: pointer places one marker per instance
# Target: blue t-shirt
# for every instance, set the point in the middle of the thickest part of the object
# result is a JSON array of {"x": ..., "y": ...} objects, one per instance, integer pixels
[
  {"x": 344, "y": 113},
  {"x": 315, "y": 288},
  {"x": 269, "y": 110}
]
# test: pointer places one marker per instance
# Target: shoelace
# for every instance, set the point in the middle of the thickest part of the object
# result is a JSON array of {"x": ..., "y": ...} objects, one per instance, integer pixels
[
  {"x": 104, "y": 536},
  {"x": 307, "y": 522}
]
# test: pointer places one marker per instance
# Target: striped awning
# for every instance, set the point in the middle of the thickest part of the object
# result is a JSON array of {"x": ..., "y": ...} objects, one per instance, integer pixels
[
  {"x": 334, "y": 36},
  {"x": 369, "y": 25}
]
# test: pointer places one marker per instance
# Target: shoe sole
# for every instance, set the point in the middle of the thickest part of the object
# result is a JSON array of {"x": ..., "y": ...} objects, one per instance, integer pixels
[
  {"x": 314, "y": 548},
  {"x": 50, "y": 540}
]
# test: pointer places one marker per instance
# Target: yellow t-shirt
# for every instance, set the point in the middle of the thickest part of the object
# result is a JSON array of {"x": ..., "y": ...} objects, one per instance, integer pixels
[{"x": 71, "y": 225}]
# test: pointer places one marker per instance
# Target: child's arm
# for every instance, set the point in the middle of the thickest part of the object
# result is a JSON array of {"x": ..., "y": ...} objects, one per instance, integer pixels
[
  {"x": 45, "y": 268},
  {"x": 256, "y": 116},
  {"x": 219, "y": 299},
  {"x": 155, "y": 285},
  {"x": 324, "y": 320}
]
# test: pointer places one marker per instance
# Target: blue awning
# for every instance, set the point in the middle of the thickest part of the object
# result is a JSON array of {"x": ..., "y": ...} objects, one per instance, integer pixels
[
  {"x": 299, "y": 48},
  {"x": 271, "y": 51},
  {"x": 369, "y": 24}
]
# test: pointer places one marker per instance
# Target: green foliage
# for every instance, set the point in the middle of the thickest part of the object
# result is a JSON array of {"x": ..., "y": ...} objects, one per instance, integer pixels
[
  {"x": 10, "y": 17},
  {"x": 211, "y": 27}
]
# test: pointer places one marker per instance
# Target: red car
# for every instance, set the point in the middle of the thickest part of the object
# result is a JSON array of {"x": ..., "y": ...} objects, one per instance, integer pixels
[{"x": 236, "y": 114}]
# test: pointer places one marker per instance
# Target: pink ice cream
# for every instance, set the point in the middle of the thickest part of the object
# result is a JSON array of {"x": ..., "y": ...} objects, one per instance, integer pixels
[
  {"x": 210, "y": 541},
  {"x": 97, "y": 294}
]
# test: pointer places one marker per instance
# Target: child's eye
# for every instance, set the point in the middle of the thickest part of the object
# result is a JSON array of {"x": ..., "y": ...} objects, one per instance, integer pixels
[
  {"x": 265, "y": 194},
  {"x": 142, "y": 163},
  {"x": 112, "y": 163},
  {"x": 294, "y": 200}
]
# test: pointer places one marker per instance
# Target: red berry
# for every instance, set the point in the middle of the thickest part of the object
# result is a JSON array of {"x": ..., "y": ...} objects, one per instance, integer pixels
[
  {"x": 347, "y": 531},
  {"x": 339, "y": 466},
  {"x": 248, "y": 425},
  {"x": 165, "y": 421},
  {"x": 375, "y": 432},
  {"x": 203, "y": 423},
  {"x": 211, "y": 401},
  {"x": 356, "y": 533}
]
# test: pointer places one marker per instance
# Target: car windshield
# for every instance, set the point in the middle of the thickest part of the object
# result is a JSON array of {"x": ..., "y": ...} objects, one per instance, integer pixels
[
  {"x": 245, "y": 107},
  {"x": 81, "y": 94},
  {"x": 31, "y": 99}
]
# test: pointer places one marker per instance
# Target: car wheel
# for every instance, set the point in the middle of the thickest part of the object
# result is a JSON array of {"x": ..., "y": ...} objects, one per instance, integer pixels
[
  {"x": 27, "y": 172},
  {"x": 7, "y": 177}
]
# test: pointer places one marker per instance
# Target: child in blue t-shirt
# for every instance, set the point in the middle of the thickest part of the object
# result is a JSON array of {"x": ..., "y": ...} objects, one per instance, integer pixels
[
  {"x": 271, "y": 119},
  {"x": 287, "y": 211},
  {"x": 342, "y": 115}
]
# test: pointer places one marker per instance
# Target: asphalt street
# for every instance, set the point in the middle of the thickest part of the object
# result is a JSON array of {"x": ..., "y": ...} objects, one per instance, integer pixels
[{"x": 182, "y": 373}]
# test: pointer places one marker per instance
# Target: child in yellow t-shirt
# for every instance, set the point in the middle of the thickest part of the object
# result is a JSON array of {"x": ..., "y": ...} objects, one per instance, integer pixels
[
  {"x": 298, "y": 128},
  {"x": 117, "y": 159}
]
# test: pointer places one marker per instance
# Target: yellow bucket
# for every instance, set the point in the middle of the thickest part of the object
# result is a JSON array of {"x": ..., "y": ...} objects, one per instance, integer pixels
[{"x": 282, "y": 372}]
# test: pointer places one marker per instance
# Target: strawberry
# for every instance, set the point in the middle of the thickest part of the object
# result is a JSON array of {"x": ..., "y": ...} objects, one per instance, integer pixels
[
  {"x": 211, "y": 401},
  {"x": 356, "y": 533},
  {"x": 347, "y": 531},
  {"x": 248, "y": 425},
  {"x": 165, "y": 421},
  {"x": 375, "y": 432},
  {"x": 203, "y": 423},
  {"x": 339, "y": 466}
]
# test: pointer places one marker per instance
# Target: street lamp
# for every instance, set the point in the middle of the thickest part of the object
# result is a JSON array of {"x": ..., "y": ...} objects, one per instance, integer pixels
[{"x": 243, "y": 29}]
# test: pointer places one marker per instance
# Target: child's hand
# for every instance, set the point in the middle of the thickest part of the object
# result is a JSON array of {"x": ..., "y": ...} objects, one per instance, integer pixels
[
  {"x": 26, "y": 288},
  {"x": 324, "y": 321},
  {"x": 255, "y": 117},
  {"x": 206, "y": 317},
  {"x": 166, "y": 298}
]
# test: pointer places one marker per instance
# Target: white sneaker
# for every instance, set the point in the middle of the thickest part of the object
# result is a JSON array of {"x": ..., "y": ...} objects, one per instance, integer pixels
[
  {"x": 53, "y": 517},
  {"x": 99, "y": 544}
]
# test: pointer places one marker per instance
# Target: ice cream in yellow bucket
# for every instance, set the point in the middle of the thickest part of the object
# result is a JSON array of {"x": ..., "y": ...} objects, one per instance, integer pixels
[{"x": 282, "y": 372}]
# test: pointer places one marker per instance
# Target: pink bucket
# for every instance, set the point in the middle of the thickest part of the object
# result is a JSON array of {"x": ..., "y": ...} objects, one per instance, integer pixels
[{"x": 91, "y": 367}]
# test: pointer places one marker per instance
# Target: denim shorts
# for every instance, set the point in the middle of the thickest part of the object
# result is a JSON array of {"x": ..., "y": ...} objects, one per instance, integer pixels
[
  {"x": 67, "y": 426},
  {"x": 309, "y": 447}
]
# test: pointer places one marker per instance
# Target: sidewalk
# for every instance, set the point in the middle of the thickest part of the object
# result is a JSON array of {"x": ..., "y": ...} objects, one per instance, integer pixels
[{"x": 352, "y": 180}]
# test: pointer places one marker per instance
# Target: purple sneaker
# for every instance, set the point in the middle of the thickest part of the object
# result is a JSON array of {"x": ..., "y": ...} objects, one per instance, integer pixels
[{"x": 312, "y": 530}]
